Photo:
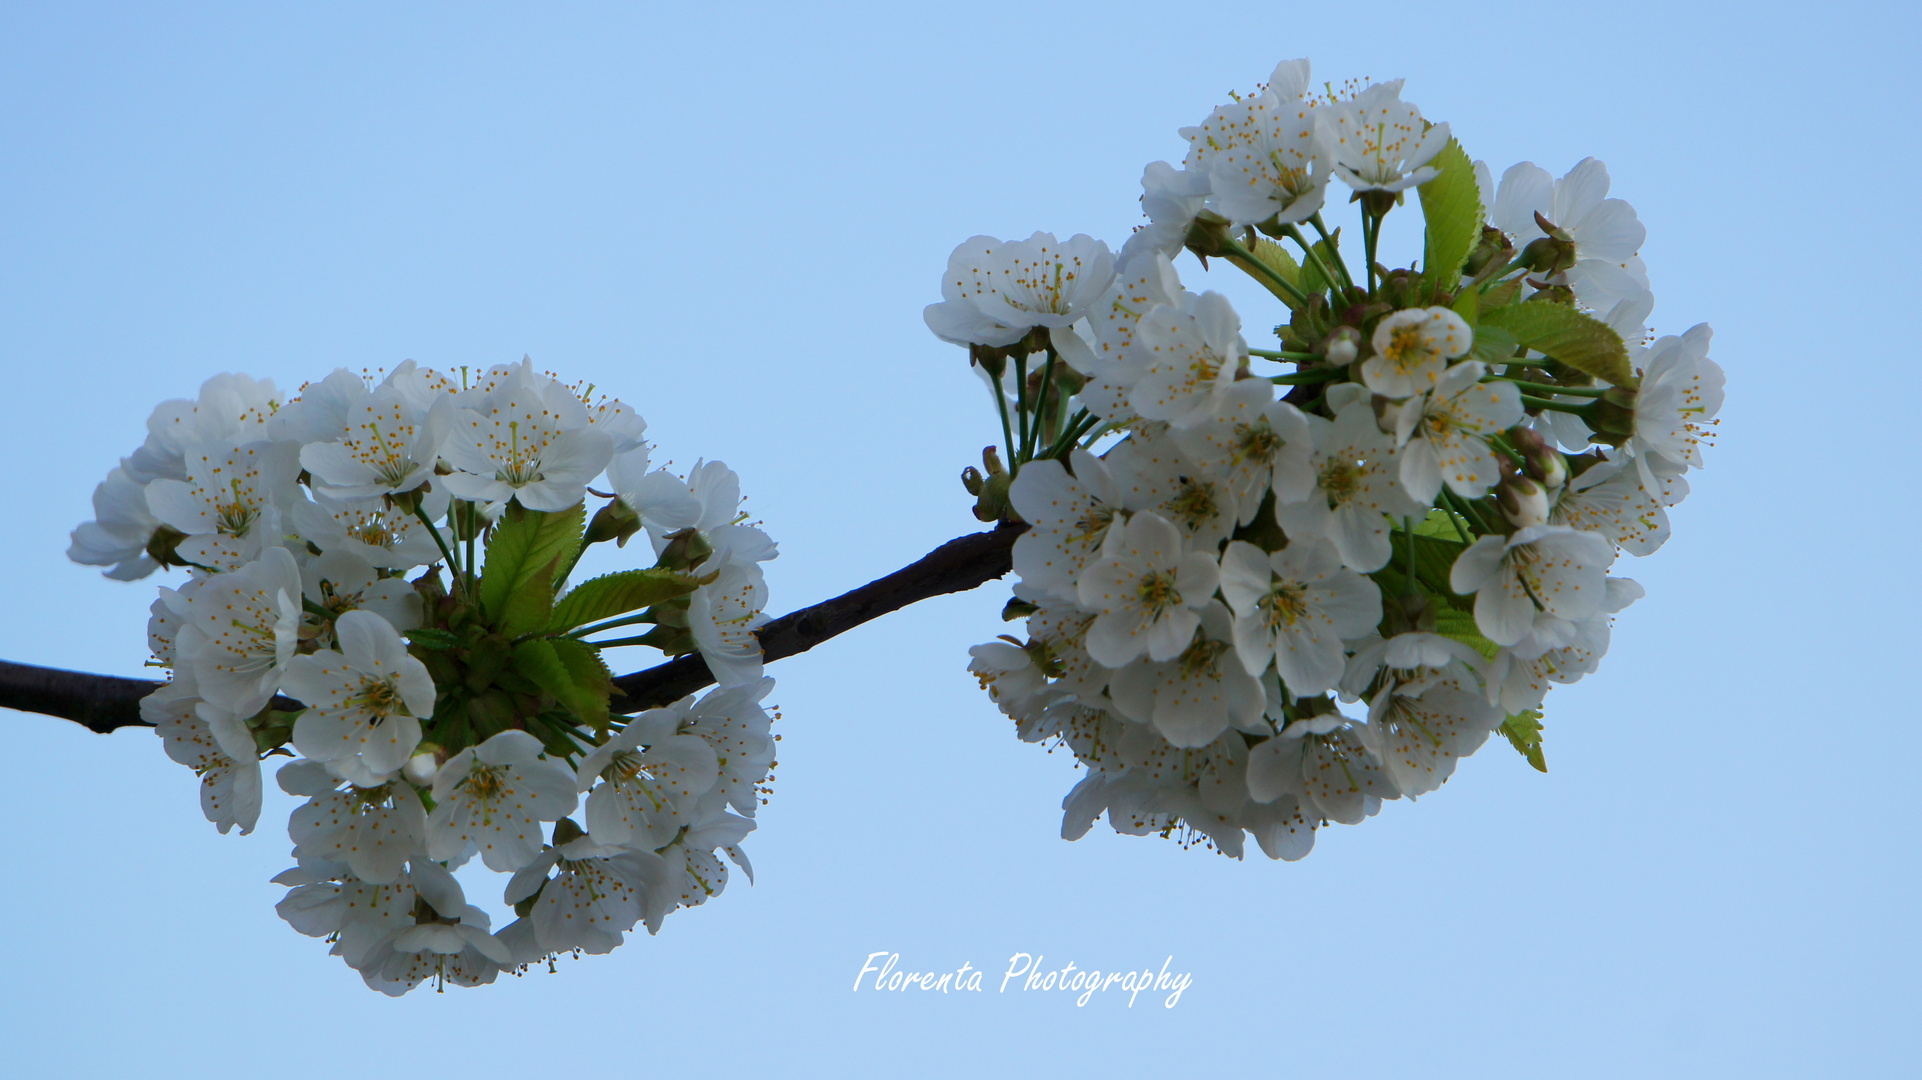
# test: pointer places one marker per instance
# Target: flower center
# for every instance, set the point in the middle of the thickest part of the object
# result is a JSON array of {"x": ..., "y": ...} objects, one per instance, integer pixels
[
  {"x": 1284, "y": 604},
  {"x": 1157, "y": 592}
]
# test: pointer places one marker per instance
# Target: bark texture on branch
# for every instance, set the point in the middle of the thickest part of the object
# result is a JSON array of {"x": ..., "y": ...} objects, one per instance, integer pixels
[{"x": 104, "y": 703}]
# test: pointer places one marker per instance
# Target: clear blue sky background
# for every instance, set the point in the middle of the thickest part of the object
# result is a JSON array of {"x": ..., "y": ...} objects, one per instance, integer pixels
[{"x": 731, "y": 215}]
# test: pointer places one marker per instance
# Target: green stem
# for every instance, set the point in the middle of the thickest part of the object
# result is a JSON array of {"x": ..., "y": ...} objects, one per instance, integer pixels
[
  {"x": 1271, "y": 354},
  {"x": 1558, "y": 406},
  {"x": 619, "y": 642},
  {"x": 1077, "y": 425},
  {"x": 1264, "y": 273},
  {"x": 1513, "y": 454},
  {"x": 1310, "y": 255},
  {"x": 1321, "y": 229},
  {"x": 315, "y": 609},
  {"x": 610, "y": 624},
  {"x": 1469, "y": 511},
  {"x": 1001, "y": 405},
  {"x": 1370, "y": 236},
  {"x": 1041, "y": 399},
  {"x": 1550, "y": 388},
  {"x": 1021, "y": 411},
  {"x": 1455, "y": 520},
  {"x": 1408, "y": 582},
  {"x": 1095, "y": 435},
  {"x": 453, "y": 564},
  {"x": 1503, "y": 273},
  {"x": 1318, "y": 375}
]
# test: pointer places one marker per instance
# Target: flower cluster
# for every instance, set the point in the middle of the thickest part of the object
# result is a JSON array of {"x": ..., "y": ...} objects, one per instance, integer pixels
[
  {"x": 1415, "y": 516},
  {"x": 377, "y": 588}
]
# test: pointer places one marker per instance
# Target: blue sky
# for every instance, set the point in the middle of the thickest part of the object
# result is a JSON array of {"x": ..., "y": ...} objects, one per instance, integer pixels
[{"x": 731, "y": 215}]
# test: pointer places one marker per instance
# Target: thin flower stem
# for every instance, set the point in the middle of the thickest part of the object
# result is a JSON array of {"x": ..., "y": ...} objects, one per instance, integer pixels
[
  {"x": 1514, "y": 455},
  {"x": 1271, "y": 354},
  {"x": 1041, "y": 399},
  {"x": 1469, "y": 511},
  {"x": 1001, "y": 404},
  {"x": 1077, "y": 425},
  {"x": 1408, "y": 581},
  {"x": 316, "y": 609},
  {"x": 1550, "y": 388},
  {"x": 1370, "y": 237},
  {"x": 1261, "y": 271},
  {"x": 1095, "y": 436},
  {"x": 1310, "y": 255},
  {"x": 610, "y": 624},
  {"x": 1319, "y": 375},
  {"x": 1021, "y": 410},
  {"x": 453, "y": 564},
  {"x": 473, "y": 578},
  {"x": 1455, "y": 520},
  {"x": 1341, "y": 265},
  {"x": 1558, "y": 406}
]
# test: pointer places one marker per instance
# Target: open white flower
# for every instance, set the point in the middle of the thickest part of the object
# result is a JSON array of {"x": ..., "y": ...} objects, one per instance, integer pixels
[
  {"x": 1256, "y": 444},
  {"x": 597, "y": 895},
  {"x": 1189, "y": 356},
  {"x": 365, "y": 703},
  {"x": 1612, "y": 498},
  {"x": 1542, "y": 570},
  {"x": 1295, "y": 607},
  {"x": 449, "y": 945},
  {"x": 1153, "y": 474},
  {"x": 1380, "y": 142},
  {"x": 1275, "y": 167},
  {"x": 528, "y": 440},
  {"x": 231, "y": 410},
  {"x": 1413, "y": 348},
  {"x": 1605, "y": 232},
  {"x": 373, "y": 830},
  {"x": 1068, "y": 517},
  {"x": 1357, "y": 490},
  {"x": 1171, "y": 198},
  {"x": 120, "y": 532},
  {"x": 1325, "y": 764},
  {"x": 994, "y": 292},
  {"x": 239, "y": 631},
  {"x": 384, "y": 535},
  {"x": 1421, "y": 733},
  {"x": 1146, "y": 592},
  {"x": 723, "y": 616},
  {"x": 650, "y": 777},
  {"x": 216, "y": 745},
  {"x": 1443, "y": 433},
  {"x": 390, "y": 444},
  {"x": 1202, "y": 691},
  {"x": 1680, "y": 394},
  {"x": 229, "y": 505},
  {"x": 495, "y": 795}
]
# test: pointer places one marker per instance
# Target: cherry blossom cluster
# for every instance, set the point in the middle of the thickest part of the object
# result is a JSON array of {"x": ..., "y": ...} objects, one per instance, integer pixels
[
  {"x": 1270, "y": 588},
  {"x": 376, "y": 587}
]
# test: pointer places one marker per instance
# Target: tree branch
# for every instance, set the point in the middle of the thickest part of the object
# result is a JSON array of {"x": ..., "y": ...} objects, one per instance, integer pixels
[{"x": 104, "y": 703}]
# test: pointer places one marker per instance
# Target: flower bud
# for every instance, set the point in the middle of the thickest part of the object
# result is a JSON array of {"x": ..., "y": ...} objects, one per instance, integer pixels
[
  {"x": 1523, "y": 501},
  {"x": 615, "y": 522},
  {"x": 163, "y": 542},
  {"x": 990, "y": 359},
  {"x": 1492, "y": 252},
  {"x": 685, "y": 549},
  {"x": 1343, "y": 345},
  {"x": 1540, "y": 461},
  {"x": 422, "y": 767},
  {"x": 1209, "y": 235}
]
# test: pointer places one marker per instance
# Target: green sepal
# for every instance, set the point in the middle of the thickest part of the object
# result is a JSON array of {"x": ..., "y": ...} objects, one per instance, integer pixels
[
  {"x": 572, "y": 672},
  {"x": 615, "y": 594},
  {"x": 1579, "y": 340},
  {"x": 1524, "y": 732},
  {"x": 1451, "y": 204},
  {"x": 516, "y": 585}
]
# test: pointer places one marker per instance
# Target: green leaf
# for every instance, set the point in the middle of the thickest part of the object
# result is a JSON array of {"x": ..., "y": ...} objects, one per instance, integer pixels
[
  {"x": 1581, "y": 341},
  {"x": 609, "y": 595},
  {"x": 1451, "y": 204},
  {"x": 1434, "y": 558},
  {"x": 429, "y": 638},
  {"x": 1276, "y": 258},
  {"x": 1524, "y": 730},
  {"x": 572, "y": 672},
  {"x": 1311, "y": 280},
  {"x": 1469, "y": 306},
  {"x": 516, "y": 585},
  {"x": 1459, "y": 625},
  {"x": 1493, "y": 345}
]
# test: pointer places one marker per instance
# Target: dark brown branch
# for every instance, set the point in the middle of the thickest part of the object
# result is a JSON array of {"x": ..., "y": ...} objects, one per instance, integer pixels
[
  {"x": 964, "y": 563},
  {"x": 103, "y": 703}
]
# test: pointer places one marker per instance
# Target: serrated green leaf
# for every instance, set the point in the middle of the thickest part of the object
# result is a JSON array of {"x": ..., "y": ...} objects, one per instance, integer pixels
[
  {"x": 1276, "y": 258},
  {"x": 569, "y": 670},
  {"x": 1459, "y": 625},
  {"x": 615, "y": 594},
  {"x": 1524, "y": 731},
  {"x": 516, "y": 585},
  {"x": 429, "y": 638},
  {"x": 1493, "y": 345},
  {"x": 1451, "y": 204},
  {"x": 1579, "y": 340},
  {"x": 1469, "y": 306},
  {"x": 1434, "y": 558}
]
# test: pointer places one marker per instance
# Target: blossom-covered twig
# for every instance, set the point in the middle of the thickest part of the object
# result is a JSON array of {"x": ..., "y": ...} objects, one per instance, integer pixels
[{"x": 104, "y": 703}]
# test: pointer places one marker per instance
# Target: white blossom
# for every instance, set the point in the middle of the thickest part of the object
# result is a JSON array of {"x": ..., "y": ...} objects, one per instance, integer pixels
[
  {"x": 1146, "y": 592},
  {"x": 1443, "y": 433},
  {"x": 1295, "y": 607},
  {"x": 365, "y": 703},
  {"x": 495, "y": 795}
]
